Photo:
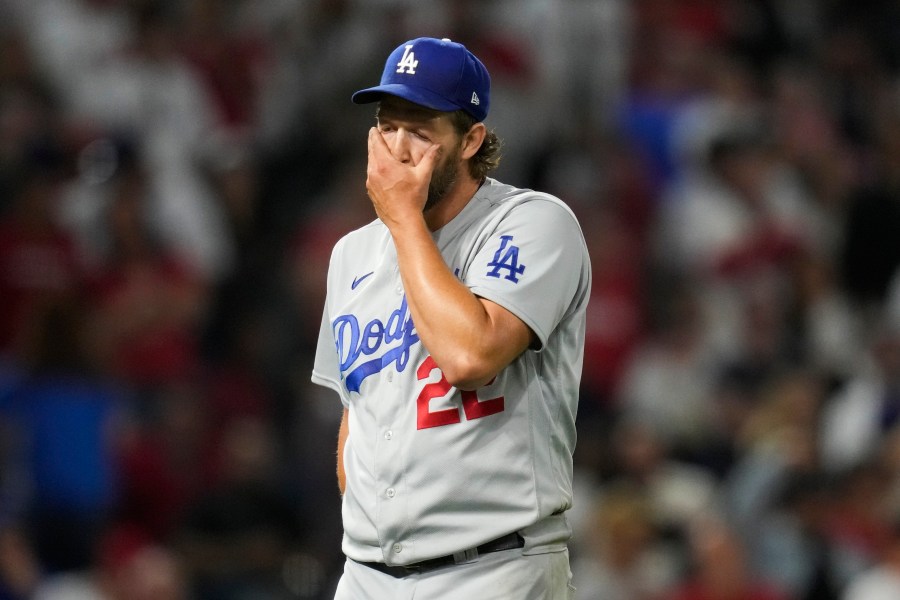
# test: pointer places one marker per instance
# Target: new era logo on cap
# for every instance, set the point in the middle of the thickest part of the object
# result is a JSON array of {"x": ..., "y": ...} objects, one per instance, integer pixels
[{"x": 440, "y": 74}]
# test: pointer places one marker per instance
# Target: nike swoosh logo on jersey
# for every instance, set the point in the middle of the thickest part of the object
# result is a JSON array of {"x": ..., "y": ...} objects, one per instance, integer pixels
[{"x": 359, "y": 280}]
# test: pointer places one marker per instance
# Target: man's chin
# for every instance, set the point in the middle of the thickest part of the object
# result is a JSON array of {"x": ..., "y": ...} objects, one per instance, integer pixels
[
  {"x": 443, "y": 180},
  {"x": 436, "y": 196}
]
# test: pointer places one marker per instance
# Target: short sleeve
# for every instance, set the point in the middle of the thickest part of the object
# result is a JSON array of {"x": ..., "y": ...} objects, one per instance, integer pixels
[
  {"x": 533, "y": 264},
  {"x": 325, "y": 366}
]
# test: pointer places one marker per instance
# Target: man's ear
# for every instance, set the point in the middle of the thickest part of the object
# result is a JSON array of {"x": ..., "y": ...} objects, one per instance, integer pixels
[{"x": 473, "y": 139}]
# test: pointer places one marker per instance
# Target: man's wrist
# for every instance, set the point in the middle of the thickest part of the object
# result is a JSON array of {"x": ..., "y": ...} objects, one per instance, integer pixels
[{"x": 407, "y": 226}]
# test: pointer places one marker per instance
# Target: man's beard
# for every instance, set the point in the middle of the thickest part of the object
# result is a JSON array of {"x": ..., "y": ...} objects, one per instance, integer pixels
[{"x": 442, "y": 179}]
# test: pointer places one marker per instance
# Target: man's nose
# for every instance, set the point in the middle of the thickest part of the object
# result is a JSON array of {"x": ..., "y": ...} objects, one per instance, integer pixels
[{"x": 400, "y": 146}]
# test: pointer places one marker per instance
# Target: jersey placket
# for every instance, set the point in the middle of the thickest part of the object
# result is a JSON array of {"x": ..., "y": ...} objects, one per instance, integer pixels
[{"x": 389, "y": 464}]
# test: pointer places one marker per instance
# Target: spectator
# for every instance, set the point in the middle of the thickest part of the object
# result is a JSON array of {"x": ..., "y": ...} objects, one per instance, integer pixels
[
  {"x": 149, "y": 93},
  {"x": 149, "y": 303},
  {"x": 128, "y": 567},
  {"x": 669, "y": 381},
  {"x": 237, "y": 535},
  {"x": 678, "y": 492},
  {"x": 881, "y": 581},
  {"x": 720, "y": 569},
  {"x": 624, "y": 557},
  {"x": 38, "y": 258},
  {"x": 68, "y": 423},
  {"x": 167, "y": 461},
  {"x": 737, "y": 217},
  {"x": 870, "y": 255},
  {"x": 777, "y": 496},
  {"x": 790, "y": 545},
  {"x": 20, "y": 572},
  {"x": 859, "y": 526},
  {"x": 866, "y": 408},
  {"x": 826, "y": 331},
  {"x": 735, "y": 224},
  {"x": 230, "y": 60}
]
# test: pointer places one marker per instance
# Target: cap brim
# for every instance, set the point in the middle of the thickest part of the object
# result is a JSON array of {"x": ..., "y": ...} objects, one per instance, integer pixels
[{"x": 410, "y": 93}]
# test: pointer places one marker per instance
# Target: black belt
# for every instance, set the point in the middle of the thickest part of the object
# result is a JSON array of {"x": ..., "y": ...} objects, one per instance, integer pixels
[{"x": 507, "y": 542}]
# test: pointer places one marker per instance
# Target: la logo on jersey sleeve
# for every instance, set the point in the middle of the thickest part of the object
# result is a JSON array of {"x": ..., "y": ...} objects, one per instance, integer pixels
[{"x": 506, "y": 259}]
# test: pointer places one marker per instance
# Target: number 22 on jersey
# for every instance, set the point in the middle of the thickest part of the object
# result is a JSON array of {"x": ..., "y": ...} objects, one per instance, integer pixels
[{"x": 472, "y": 407}]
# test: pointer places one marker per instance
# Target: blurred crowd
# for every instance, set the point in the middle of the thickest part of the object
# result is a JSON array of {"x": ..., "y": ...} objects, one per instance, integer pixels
[{"x": 173, "y": 175}]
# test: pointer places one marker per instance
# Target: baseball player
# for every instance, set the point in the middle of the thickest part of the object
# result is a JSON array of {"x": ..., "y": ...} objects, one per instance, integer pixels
[{"x": 453, "y": 332}]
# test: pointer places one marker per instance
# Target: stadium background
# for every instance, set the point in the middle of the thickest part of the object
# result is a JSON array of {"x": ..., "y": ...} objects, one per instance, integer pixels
[{"x": 174, "y": 174}]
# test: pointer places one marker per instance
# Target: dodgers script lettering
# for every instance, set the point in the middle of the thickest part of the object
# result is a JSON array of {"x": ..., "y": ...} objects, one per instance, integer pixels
[{"x": 354, "y": 341}]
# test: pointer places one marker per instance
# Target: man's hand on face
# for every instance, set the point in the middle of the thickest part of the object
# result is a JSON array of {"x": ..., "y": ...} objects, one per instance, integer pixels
[{"x": 398, "y": 188}]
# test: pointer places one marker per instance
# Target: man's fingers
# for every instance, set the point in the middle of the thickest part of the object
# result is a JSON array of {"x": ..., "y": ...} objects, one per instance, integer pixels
[
  {"x": 429, "y": 159},
  {"x": 376, "y": 142}
]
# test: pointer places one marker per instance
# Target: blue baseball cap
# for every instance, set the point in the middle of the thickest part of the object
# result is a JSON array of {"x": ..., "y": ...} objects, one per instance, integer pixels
[{"x": 439, "y": 74}]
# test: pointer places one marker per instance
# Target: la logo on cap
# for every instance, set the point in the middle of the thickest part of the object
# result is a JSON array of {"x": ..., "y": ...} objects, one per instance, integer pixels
[{"x": 408, "y": 61}]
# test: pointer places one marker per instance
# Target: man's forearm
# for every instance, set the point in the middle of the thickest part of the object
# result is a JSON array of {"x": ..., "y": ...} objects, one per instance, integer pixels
[
  {"x": 343, "y": 431},
  {"x": 470, "y": 339}
]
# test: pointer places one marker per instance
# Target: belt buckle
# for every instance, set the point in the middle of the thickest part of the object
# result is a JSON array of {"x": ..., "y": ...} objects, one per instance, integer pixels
[{"x": 465, "y": 556}]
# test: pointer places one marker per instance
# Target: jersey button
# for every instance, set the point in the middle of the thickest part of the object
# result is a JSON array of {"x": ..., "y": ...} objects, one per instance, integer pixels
[
  {"x": 388, "y": 434},
  {"x": 398, "y": 548},
  {"x": 390, "y": 376},
  {"x": 390, "y": 492}
]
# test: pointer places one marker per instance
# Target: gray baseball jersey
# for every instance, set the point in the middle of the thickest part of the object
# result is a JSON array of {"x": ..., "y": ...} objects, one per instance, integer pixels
[{"x": 432, "y": 470}]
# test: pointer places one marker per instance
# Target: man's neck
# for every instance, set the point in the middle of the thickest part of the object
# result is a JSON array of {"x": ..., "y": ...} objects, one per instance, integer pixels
[{"x": 452, "y": 204}]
